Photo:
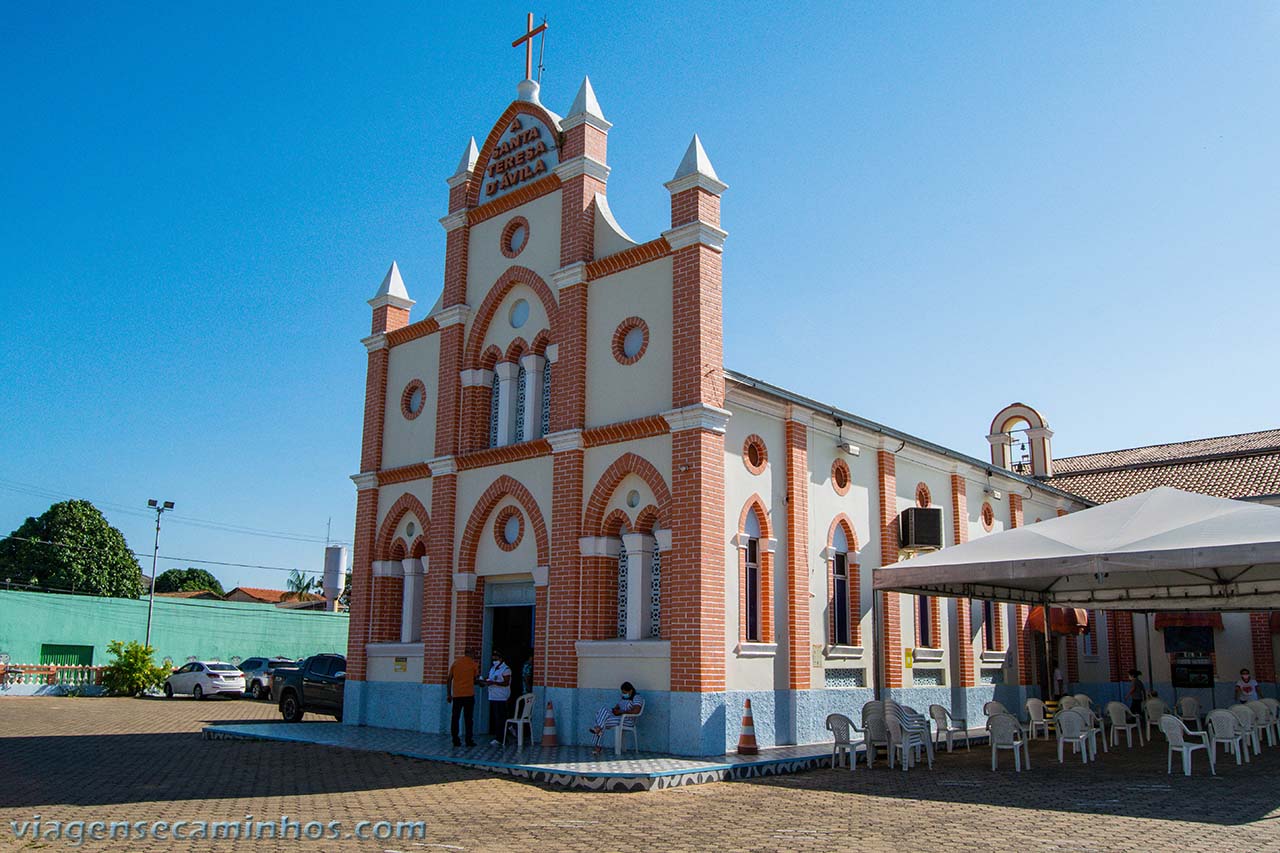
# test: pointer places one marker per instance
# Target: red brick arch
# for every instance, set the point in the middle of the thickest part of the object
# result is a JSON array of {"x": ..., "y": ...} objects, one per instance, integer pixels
[
  {"x": 627, "y": 463},
  {"x": 491, "y": 357},
  {"x": 499, "y": 128},
  {"x": 484, "y": 315},
  {"x": 540, "y": 341},
  {"x": 516, "y": 348},
  {"x": 616, "y": 523},
  {"x": 842, "y": 522},
  {"x": 503, "y": 487},
  {"x": 647, "y": 519},
  {"x": 756, "y": 503},
  {"x": 407, "y": 503}
]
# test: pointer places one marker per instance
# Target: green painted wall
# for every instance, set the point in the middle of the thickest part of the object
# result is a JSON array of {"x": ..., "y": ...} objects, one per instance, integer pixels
[{"x": 179, "y": 628}]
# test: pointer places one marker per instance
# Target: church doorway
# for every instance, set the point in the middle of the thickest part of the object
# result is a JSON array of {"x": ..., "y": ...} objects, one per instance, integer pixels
[{"x": 508, "y": 628}]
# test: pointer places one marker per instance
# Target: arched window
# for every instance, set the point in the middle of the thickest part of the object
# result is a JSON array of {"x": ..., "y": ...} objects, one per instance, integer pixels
[
  {"x": 924, "y": 621},
  {"x": 622, "y": 590},
  {"x": 655, "y": 593},
  {"x": 840, "y": 616},
  {"x": 522, "y": 379},
  {"x": 493, "y": 411},
  {"x": 546, "y": 397},
  {"x": 751, "y": 608}
]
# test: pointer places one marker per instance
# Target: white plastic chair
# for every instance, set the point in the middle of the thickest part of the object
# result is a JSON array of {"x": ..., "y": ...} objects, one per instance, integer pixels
[
  {"x": 841, "y": 727},
  {"x": 1274, "y": 707},
  {"x": 1035, "y": 713},
  {"x": 949, "y": 726},
  {"x": 1071, "y": 727},
  {"x": 1066, "y": 703},
  {"x": 627, "y": 725},
  {"x": 1264, "y": 719},
  {"x": 993, "y": 707},
  {"x": 908, "y": 735},
  {"x": 1007, "y": 733},
  {"x": 521, "y": 721},
  {"x": 1223, "y": 727},
  {"x": 1094, "y": 725},
  {"x": 1189, "y": 711},
  {"x": 1180, "y": 741},
  {"x": 1083, "y": 701},
  {"x": 1249, "y": 726},
  {"x": 1155, "y": 709},
  {"x": 1123, "y": 720},
  {"x": 875, "y": 732}
]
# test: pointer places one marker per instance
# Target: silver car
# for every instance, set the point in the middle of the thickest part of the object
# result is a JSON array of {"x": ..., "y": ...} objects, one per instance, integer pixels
[{"x": 257, "y": 674}]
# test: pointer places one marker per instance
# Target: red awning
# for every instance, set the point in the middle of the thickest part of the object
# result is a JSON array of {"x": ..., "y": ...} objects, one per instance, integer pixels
[
  {"x": 1062, "y": 620},
  {"x": 1189, "y": 620}
]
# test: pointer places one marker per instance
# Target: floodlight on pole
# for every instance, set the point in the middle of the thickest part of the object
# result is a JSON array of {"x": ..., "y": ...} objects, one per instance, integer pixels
[{"x": 155, "y": 554}]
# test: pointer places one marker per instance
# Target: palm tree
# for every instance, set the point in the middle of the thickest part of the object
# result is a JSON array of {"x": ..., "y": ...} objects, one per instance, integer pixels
[{"x": 301, "y": 586}]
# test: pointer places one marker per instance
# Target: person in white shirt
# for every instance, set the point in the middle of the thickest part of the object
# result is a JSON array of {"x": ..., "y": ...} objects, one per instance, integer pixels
[
  {"x": 498, "y": 684},
  {"x": 1246, "y": 687}
]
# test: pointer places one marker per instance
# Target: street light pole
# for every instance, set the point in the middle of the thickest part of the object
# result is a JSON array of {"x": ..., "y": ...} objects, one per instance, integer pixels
[{"x": 155, "y": 554}]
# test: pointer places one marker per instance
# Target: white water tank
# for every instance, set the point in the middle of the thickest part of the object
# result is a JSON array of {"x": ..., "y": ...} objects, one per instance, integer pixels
[{"x": 335, "y": 572}]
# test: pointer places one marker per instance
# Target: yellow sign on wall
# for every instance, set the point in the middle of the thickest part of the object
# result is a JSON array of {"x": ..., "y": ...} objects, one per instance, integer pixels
[
  {"x": 401, "y": 665},
  {"x": 908, "y": 655}
]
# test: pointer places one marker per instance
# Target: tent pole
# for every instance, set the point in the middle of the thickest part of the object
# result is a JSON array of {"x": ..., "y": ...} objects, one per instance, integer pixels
[
  {"x": 877, "y": 634},
  {"x": 1048, "y": 660},
  {"x": 1151, "y": 676}
]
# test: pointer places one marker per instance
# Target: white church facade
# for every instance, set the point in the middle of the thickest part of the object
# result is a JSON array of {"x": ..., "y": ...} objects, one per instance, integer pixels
[{"x": 556, "y": 463}]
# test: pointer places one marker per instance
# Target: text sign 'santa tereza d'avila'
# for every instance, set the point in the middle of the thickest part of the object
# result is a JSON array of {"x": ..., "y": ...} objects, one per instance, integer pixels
[{"x": 525, "y": 153}]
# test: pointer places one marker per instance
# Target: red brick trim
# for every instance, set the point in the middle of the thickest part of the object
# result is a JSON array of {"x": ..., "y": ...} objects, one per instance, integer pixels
[
  {"x": 890, "y": 601},
  {"x": 988, "y": 516},
  {"x": 515, "y": 349},
  {"x": 500, "y": 525},
  {"x": 490, "y": 357},
  {"x": 484, "y": 315},
  {"x": 796, "y": 456},
  {"x": 627, "y": 463},
  {"x": 843, "y": 522},
  {"x": 505, "y": 453},
  {"x": 647, "y": 519},
  {"x": 620, "y": 338},
  {"x": 756, "y": 504},
  {"x": 1061, "y": 513},
  {"x": 840, "y": 474},
  {"x": 403, "y": 474},
  {"x": 1121, "y": 651},
  {"x": 616, "y": 523},
  {"x": 923, "y": 496},
  {"x": 625, "y": 431},
  {"x": 540, "y": 341},
  {"x": 413, "y": 331},
  {"x": 514, "y": 109},
  {"x": 964, "y": 606},
  {"x": 406, "y": 396},
  {"x": 504, "y": 486},
  {"x": 405, "y": 504},
  {"x": 1015, "y": 511},
  {"x": 509, "y": 231},
  {"x": 755, "y": 455},
  {"x": 1264, "y": 661},
  {"x": 513, "y": 199},
  {"x": 628, "y": 258}
]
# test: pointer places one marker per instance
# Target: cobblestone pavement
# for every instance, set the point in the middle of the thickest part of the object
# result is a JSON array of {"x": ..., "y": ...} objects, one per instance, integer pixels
[{"x": 144, "y": 760}]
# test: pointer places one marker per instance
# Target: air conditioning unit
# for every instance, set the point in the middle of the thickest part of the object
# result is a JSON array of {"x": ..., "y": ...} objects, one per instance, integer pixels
[{"x": 920, "y": 528}]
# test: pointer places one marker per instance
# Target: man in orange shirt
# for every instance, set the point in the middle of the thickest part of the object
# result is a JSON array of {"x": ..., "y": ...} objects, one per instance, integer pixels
[{"x": 460, "y": 692}]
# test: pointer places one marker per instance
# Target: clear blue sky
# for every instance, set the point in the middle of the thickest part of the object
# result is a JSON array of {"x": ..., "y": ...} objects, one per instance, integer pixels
[{"x": 934, "y": 210}]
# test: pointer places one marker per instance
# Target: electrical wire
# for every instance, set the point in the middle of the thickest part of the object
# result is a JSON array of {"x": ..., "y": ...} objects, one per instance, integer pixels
[{"x": 141, "y": 554}]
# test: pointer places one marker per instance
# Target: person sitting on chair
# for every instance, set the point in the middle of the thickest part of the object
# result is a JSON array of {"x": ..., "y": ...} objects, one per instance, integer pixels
[{"x": 611, "y": 718}]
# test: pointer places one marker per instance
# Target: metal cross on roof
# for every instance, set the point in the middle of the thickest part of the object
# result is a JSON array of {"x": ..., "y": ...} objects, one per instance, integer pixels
[{"x": 527, "y": 41}]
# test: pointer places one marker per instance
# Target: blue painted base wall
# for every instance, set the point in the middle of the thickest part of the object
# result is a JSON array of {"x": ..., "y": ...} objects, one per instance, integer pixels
[{"x": 691, "y": 724}]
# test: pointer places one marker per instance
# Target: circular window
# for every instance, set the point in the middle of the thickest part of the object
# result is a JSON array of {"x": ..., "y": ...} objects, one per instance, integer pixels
[
  {"x": 754, "y": 454},
  {"x": 988, "y": 517},
  {"x": 410, "y": 529},
  {"x": 840, "y": 477},
  {"x": 508, "y": 528},
  {"x": 923, "y": 498},
  {"x": 633, "y": 499},
  {"x": 413, "y": 399},
  {"x": 519, "y": 313},
  {"x": 515, "y": 236},
  {"x": 630, "y": 340}
]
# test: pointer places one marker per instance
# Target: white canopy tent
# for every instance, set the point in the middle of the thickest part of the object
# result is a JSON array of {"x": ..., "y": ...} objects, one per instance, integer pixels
[{"x": 1160, "y": 550}]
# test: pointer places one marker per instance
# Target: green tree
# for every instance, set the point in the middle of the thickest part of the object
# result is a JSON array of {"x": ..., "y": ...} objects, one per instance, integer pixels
[
  {"x": 132, "y": 670},
  {"x": 72, "y": 547},
  {"x": 188, "y": 580},
  {"x": 301, "y": 586}
]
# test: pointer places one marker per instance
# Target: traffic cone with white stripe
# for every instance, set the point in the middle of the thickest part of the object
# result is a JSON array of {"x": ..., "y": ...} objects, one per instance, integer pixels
[
  {"x": 549, "y": 728},
  {"x": 747, "y": 740}
]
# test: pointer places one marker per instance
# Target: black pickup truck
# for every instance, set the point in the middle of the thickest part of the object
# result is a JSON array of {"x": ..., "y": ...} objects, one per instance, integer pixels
[{"x": 315, "y": 685}]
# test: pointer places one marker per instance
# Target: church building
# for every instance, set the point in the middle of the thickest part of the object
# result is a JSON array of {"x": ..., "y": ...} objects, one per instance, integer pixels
[{"x": 557, "y": 464}]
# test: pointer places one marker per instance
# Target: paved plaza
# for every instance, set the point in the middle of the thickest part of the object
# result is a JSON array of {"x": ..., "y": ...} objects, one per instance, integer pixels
[{"x": 145, "y": 760}]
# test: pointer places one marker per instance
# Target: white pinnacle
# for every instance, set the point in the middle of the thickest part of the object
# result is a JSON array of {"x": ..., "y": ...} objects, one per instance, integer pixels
[
  {"x": 467, "y": 163},
  {"x": 695, "y": 162},
  {"x": 392, "y": 284},
  {"x": 585, "y": 103}
]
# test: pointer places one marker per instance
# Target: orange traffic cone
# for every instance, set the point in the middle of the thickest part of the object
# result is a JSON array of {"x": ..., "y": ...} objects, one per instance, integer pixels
[
  {"x": 747, "y": 740},
  {"x": 549, "y": 728}
]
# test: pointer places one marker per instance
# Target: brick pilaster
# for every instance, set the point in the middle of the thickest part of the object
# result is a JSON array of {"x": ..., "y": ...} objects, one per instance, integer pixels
[
  {"x": 693, "y": 616},
  {"x": 561, "y": 658},
  {"x": 1264, "y": 664},
  {"x": 437, "y": 586},
  {"x": 891, "y": 630},
  {"x": 361, "y": 577},
  {"x": 964, "y": 608},
  {"x": 797, "y": 462},
  {"x": 1026, "y": 637},
  {"x": 1121, "y": 651}
]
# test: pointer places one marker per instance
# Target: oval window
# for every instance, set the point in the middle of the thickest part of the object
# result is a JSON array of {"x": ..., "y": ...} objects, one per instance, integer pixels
[
  {"x": 416, "y": 399},
  {"x": 519, "y": 236},
  {"x": 519, "y": 314},
  {"x": 633, "y": 499},
  {"x": 633, "y": 342},
  {"x": 410, "y": 529},
  {"x": 511, "y": 530}
]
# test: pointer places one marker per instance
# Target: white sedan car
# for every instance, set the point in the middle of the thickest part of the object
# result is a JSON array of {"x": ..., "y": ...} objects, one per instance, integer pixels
[{"x": 205, "y": 678}]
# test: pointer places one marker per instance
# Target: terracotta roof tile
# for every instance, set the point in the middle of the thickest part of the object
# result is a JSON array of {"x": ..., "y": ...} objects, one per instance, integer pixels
[{"x": 272, "y": 596}]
